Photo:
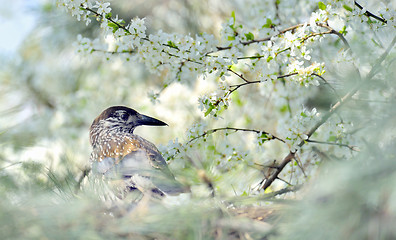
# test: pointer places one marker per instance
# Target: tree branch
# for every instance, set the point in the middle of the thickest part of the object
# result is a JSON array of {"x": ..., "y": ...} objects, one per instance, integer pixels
[
  {"x": 239, "y": 75},
  {"x": 369, "y": 14},
  {"x": 331, "y": 111},
  {"x": 113, "y": 52},
  {"x": 283, "y": 191},
  {"x": 236, "y": 86},
  {"x": 353, "y": 148},
  {"x": 108, "y": 18},
  {"x": 330, "y": 31},
  {"x": 208, "y": 132}
]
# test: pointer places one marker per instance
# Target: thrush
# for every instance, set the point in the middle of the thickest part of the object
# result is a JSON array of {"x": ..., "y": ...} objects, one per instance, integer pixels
[{"x": 120, "y": 154}]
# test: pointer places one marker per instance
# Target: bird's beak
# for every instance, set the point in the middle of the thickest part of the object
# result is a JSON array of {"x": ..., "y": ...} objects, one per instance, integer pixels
[{"x": 146, "y": 120}]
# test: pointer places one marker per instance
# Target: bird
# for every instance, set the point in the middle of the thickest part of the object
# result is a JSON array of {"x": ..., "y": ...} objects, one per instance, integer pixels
[{"x": 119, "y": 154}]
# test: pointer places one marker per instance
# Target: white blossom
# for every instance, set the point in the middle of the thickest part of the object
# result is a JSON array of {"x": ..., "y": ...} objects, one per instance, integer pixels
[{"x": 102, "y": 7}]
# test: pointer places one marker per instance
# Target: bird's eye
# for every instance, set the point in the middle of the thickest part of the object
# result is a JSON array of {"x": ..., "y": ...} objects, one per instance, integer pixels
[{"x": 124, "y": 116}]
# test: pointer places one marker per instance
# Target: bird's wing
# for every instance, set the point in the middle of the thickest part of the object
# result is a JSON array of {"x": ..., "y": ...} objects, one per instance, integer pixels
[
  {"x": 165, "y": 181},
  {"x": 154, "y": 156},
  {"x": 133, "y": 155}
]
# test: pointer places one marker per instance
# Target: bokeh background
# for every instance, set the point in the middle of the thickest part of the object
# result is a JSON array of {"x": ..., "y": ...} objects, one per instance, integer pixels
[{"x": 50, "y": 94}]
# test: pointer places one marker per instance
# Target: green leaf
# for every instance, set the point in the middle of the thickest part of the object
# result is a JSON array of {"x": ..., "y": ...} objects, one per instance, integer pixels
[
  {"x": 268, "y": 24},
  {"x": 332, "y": 139},
  {"x": 231, "y": 38},
  {"x": 113, "y": 26},
  {"x": 348, "y": 8},
  {"x": 209, "y": 110},
  {"x": 284, "y": 108},
  {"x": 249, "y": 36},
  {"x": 264, "y": 135},
  {"x": 343, "y": 31},
  {"x": 322, "y": 6},
  {"x": 233, "y": 20},
  {"x": 108, "y": 16},
  {"x": 172, "y": 44}
]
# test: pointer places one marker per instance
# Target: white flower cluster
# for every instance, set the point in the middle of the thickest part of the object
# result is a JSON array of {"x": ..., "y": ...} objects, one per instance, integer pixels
[
  {"x": 171, "y": 149},
  {"x": 75, "y": 7},
  {"x": 103, "y": 7},
  {"x": 174, "y": 148},
  {"x": 263, "y": 137},
  {"x": 386, "y": 11},
  {"x": 196, "y": 130},
  {"x": 294, "y": 130},
  {"x": 86, "y": 45},
  {"x": 306, "y": 75},
  {"x": 320, "y": 16},
  {"x": 179, "y": 53},
  {"x": 153, "y": 96},
  {"x": 199, "y": 54},
  {"x": 230, "y": 154},
  {"x": 338, "y": 132},
  {"x": 211, "y": 105},
  {"x": 184, "y": 57}
]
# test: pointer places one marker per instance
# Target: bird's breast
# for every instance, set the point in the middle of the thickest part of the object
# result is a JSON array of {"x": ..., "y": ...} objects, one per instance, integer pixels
[{"x": 114, "y": 147}]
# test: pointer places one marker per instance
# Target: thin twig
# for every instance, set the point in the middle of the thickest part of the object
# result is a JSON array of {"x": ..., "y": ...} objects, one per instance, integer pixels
[
  {"x": 113, "y": 52},
  {"x": 239, "y": 75},
  {"x": 353, "y": 148},
  {"x": 208, "y": 132},
  {"x": 283, "y": 180},
  {"x": 108, "y": 18},
  {"x": 283, "y": 191},
  {"x": 267, "y": 38},
  {"x": 120, "y": 25},
  {"x": 211, "y": 131},
  {"x": 267, "y": 196},
  {"x": 185, "y": 59},
  {"x": 300, "y": 165},
  {"x": 369, "y": 14},
  {"x": 236, "y": 86},
  {"x": 328, "y": 84},
  {"x": 343, "y": 39},
  {"x": 332, "y": 31}
]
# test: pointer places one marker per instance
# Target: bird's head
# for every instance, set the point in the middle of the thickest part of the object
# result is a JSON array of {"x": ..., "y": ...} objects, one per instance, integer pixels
[{"x": 120, "y": 119}]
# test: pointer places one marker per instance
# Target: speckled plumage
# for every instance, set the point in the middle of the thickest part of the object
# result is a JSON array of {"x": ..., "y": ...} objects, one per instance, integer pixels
[{"x": 118, "y": 153}]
